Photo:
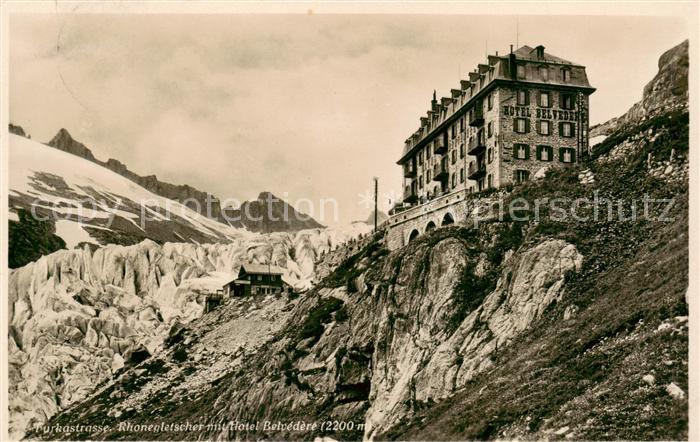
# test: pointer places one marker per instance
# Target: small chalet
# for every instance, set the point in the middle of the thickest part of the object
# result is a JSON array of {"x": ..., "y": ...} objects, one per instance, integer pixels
[{"x": 257, "y": 279}]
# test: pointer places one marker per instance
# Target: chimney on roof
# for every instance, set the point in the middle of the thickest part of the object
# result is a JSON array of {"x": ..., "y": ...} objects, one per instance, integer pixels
[
  {"x": 496, "y": 53},
  {"x": 511, "y": 49},
  {"x": 433, "y": 102}
]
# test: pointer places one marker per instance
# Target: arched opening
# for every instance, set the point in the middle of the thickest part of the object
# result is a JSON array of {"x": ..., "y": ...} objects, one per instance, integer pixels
[
  {"x": 447, "y": 219},
  {"x": 413, "y": 235},
  {"x": 430, "y": 226}
]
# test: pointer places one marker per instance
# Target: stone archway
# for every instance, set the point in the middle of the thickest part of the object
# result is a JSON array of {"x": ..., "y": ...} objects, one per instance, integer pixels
[
  {"x": 430, "y": 227},
  {"x": 448, "y": 219},
  {"x": 414, "y": 234}
]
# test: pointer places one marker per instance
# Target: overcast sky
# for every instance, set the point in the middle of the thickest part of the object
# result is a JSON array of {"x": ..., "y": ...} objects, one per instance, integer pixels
[{"x": 311, "y": 106}]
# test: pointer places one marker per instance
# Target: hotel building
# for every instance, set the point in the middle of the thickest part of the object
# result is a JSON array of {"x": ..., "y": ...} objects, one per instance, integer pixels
[{"x": 515, "y": 116}]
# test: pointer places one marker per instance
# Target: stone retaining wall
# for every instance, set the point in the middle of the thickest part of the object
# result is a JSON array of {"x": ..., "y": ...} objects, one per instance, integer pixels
[{"x": 458, "y": 207}]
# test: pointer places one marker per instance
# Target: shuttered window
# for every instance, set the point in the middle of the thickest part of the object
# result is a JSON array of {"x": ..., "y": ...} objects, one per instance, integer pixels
[
  {"x": 567, "y": 155},
  {"x": 521, "y": 125},
  {"x": 567, "y": 129},
  {"x": 565, "y": 75},
  {"x": 521, "y": 175},
  {"x": 544, "y": 153},
  {"x": 567, "y": 101},
  {"x": 522, "y": 97},
  {"x": 521, "y": 151},
  {"x": 544, "y": 99},
  {"x": 544, "y": 127}
]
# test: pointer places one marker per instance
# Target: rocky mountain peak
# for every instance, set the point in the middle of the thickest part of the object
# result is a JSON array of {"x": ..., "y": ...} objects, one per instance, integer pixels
[
  {"x": 65, "y": 142},
  {"x": 17, "y": 130},
  {"x": 666, "y": 92}
]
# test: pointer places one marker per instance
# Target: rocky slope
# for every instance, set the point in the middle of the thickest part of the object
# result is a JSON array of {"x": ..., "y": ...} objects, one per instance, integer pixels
[
  {"x": 77, "y": 315},
  {"x": 666, "y": 92}
]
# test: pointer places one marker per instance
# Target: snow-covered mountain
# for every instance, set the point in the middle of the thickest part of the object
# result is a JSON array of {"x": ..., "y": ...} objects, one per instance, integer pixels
[
  {"x": 78, "y": 315},
  {"x": 89, "y": 203}
]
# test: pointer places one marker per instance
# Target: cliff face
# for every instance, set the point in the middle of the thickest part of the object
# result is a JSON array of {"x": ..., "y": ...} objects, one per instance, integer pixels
[{"x": 666, "y": 92}]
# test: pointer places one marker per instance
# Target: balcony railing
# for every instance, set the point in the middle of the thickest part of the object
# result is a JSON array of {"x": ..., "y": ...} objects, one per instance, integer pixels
[
  {"x": 476, "y": 171},
  {"x": 440, "y": 146},
  {"x": 440, "y": 172},
  {"x": 476, "y": 115},
  {"x": 409, "y": 171},
  {"x": 410, "y": 198},
  {"x": 477, "y": 145}
]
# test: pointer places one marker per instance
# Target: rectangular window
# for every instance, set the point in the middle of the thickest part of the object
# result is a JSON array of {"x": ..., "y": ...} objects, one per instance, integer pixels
[
  {"x": 544, "y": 153},
  {"x": 521, "y": 125},
  {"x": 461, "y": 150},
  {"x": 521, "y": 175},
  {"x": 454, "y": 131},
  {"x": 522, "y": 97},
  {"x": 461, "y": 175},
  {"x": 420, "y": 158},
  {"x": 567, "y": 101},
  {"x": 567, "y": 155},
  {"x": 490, "y": 129},
  {"x": 566, "y": 129},
  {"x": 566, "y": 75},
  {"x": 420, "y": 182},
  {"x": 521, "y": 151},
  {"x": 544, "y": 99},
  {"x": 461, "y": 124},
  {"x": 454, "y": 156},
  {"x": 489, "y": 181},
  {"x": 544, "y": 73},
  {"x": 427, "y": 176},
  {"x": 429, "y": 150},
  {"x": 489, "y": 155},
  {"x": 454, "y": 180},
  {"x": 489, "y": 101},
  {"x": 544, "y": 127},
  {"x": 521, "y": 71}
]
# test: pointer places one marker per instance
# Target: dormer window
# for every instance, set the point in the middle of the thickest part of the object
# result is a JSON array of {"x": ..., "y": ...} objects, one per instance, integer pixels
[
  {"x": 540, "y": 52},
  {"x": 566, "y": 75}
]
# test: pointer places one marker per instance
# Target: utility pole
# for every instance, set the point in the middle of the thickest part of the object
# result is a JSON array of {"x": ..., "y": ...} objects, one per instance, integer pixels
[{"x": 376, "y": 188}]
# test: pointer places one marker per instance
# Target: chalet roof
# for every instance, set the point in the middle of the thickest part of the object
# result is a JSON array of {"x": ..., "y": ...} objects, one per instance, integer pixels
[{"x": 262, "y": 269}]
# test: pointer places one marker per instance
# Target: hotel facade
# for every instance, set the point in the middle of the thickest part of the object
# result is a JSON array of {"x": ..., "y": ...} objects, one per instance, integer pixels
[{"x": 515, "y": 116}]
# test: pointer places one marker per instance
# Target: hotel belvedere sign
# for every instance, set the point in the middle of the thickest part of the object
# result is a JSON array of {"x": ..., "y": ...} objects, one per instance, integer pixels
[{"x": 543, "y": 113}]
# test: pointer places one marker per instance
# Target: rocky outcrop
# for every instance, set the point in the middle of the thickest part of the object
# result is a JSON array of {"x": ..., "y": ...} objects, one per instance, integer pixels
[
  {"x": 427, "y": 362},
  {"x": 17, "y": 130},
  {"x": 65, "y": 142},
  {"x": 372, "y": 351},
  {"x": 666, "y": 92},
  {"x": 269, "y": 213}
]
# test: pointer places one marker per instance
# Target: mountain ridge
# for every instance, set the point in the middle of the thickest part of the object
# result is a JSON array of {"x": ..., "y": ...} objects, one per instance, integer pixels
[{"x": 205, "y": 203}]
